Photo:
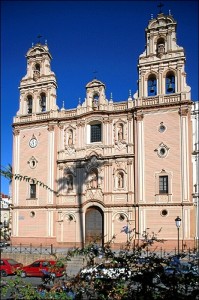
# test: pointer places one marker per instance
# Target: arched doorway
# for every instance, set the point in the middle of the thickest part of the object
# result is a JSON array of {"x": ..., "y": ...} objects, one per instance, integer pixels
[{"x": 94, "y": 228}]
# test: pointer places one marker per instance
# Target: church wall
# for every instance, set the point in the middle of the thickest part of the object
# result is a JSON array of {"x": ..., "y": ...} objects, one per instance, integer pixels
[
  {"x": 112, "y": 180},
  {"x": 154, "y": 163}
]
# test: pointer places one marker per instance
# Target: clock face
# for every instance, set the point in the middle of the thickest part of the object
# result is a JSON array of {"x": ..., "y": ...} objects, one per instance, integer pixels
[{"x": 33, "y": 143}]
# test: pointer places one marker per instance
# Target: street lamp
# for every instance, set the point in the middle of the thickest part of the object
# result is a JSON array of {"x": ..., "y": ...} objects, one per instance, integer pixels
[{"x": 178, "y": 223}]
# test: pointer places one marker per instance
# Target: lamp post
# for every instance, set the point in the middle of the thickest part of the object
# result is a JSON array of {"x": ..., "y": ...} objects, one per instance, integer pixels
[{"x": 178, "y": 223}]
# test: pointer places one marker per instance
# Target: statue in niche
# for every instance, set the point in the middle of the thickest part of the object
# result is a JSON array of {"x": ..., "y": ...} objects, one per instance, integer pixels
[
  {"x": 70, "y": 182},
  {"x": 120, "y": 180},
  {"x": 70, "y": 138},
  {"x": 120, "y": 133},
  {"x": 93, "y": 181}
]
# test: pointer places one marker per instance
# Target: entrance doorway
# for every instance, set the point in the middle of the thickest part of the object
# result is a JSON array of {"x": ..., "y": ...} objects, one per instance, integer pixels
[{"x": 94, "y": 229}]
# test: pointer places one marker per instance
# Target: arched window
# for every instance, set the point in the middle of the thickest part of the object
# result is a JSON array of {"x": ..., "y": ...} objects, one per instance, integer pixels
[
  {"x": 29, "y": 104},
  {"x": 36, "y": 72},
  {"x": 43, "y": 102},
  {"x": 170, "y": 83},
  {"x": 152, "y": 85},
  {"x": 37, "y": 67}
]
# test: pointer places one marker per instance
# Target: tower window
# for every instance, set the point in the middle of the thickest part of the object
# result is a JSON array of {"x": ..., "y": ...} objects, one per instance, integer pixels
[
  {"x": 152, "y": 86},
  {"x": 170, "y": 84},
  {"x": 29, "y": 104},
  {"x": 37, "y": 67},
  {"x": 95, "y": 101},
  {"x": 43, "y": 102},
  {"x": 36, "y": 72},
  {"x": 160, "y": 47},
  {"x": 32, "y": 191},
  {"x": 163, "y": 184},
  {"x": 95, "y": 133}
]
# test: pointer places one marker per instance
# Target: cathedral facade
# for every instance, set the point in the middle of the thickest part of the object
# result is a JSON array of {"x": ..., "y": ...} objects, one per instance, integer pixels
[{"x": 113, "y": 169}]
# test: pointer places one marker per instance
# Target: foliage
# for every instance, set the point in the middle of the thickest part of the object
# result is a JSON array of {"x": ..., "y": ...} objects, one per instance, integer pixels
[
  {"x": 7, "y": 173},
  {"x": 148, "y": 279}
]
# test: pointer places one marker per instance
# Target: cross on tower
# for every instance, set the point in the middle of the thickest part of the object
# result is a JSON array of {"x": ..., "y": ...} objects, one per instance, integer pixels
[
  {"x": 95, "y": 72},
  {"x": 160, "y": 7},
  {"x": 39, "y": 36}
]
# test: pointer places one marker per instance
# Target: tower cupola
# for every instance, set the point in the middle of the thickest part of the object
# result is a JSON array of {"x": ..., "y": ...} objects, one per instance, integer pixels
[
  {"x": 161, "y": 66},
  {"x": 95, "y": 95},
  {"x": 38, "y": 86}
]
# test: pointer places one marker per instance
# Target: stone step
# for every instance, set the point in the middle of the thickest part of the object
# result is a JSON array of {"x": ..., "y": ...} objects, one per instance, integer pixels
[{"x": 75, "y": 264}]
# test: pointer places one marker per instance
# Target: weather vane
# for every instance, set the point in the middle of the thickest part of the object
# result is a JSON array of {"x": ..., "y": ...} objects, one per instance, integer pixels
[{"x": 160, "y": 7}]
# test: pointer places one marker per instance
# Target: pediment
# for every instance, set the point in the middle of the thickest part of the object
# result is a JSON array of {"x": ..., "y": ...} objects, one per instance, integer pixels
[{"x": 95, "y": 83}]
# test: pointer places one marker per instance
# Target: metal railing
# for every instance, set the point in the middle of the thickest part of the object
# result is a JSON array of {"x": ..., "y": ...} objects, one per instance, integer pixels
[
  {"x": 29, "y": 249},
  {"x": 50, "y": 249}
]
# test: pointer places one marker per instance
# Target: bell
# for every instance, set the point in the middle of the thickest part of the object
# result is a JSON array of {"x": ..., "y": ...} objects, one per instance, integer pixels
[
  {"x": 170, "y": 88},
  {"x": 152, "y": 90}
]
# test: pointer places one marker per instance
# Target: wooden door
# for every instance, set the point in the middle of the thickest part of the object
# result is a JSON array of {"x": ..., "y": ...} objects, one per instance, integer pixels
[{"x": 94, "y": 226}]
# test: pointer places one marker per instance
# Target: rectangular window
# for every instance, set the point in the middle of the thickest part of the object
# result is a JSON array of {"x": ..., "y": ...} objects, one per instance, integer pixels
[
  {"x": 32, "y": 191},
  {"x": 96, "y": 133},
  {"x": 163, "y": 185}
]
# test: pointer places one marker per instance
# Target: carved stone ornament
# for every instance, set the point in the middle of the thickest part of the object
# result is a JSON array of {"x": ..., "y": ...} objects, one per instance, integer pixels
[
  {"x": 93, "y": 163},
  {"x": 80, "y": 123},
  {"x": 94, "y": 194},
  {"x": 51, "y": 127},
  {"x": 70, "y": 149},
  {"x": 120, "y": 145},
  {"x": 183, "y": 111},
  {"x": 61, "y": 166},
  {"x": 16, "y": 132},
  {"x": 139, "y": 117}
]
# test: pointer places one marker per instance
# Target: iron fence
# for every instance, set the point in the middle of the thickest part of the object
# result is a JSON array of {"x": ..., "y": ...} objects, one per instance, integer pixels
[
  {"x": 29, "y": 249},
  {"x": 50, "y": 250}
]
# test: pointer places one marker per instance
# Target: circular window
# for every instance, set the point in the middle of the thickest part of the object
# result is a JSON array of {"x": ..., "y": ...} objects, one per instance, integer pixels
[
  {"x": 121, "y": 217},
  {"x": 164, "y": 213},
  {"x": 162, "y": 151},
  {"x": 32, "y": 214},
  {"x": 70, "y": 217},
  {"x": 162, "y": 128},
  {"x": 32, "y": 163}
]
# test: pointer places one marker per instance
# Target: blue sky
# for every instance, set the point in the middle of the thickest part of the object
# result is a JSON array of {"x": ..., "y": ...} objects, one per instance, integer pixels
[{"x": 84, "y": 37}]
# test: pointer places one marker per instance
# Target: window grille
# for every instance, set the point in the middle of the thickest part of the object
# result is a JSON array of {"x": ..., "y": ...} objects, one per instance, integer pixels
[
  {"x": 163, "y": 184},
  {"x": 32, "y": 191},
  {"x": 96, "y": 133}
]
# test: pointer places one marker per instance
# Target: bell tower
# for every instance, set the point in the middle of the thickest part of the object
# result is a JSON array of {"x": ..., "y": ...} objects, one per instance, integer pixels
[
  {"x": 38, "y": 86},
  {"x": 161, "y": 66}
]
